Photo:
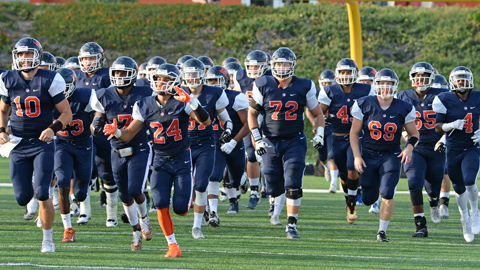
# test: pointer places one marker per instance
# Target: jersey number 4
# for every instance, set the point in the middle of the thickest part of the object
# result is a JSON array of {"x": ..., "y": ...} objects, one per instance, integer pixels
[{"x": 173, "y": 130}]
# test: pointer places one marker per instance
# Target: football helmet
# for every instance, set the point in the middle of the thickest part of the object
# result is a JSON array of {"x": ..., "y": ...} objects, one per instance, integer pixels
[
  {"x": 346, "y": 64},
  {"x": 60, "y": 62},
  {"x": 230, "y": 60},
  {"x": 72, "y": 63},
  {"x": 218, "y": 76},
  {"x": 256, "y": 64},
  {"x": 127, "y": 64},
  {"x": 283, "y": 63},
  {"x": 385, "y": 91},
  {"x": 27, "y": 45},
  {"x": 424, "y": 82},
  {"x": 327, "y": 77},
  {"x": 269, "y": 58},
  {"x": 182, "y": 61},
  {"x": 366, "y": 74},
  {"x": 193, "y": 73},
  {"x": 70, "y": 80},
  {"x": 232, "y": 68},
  {"x": 91, "y": 49},
  {"x": 164, "y": 78},
  {"x": 461, "y": 79},
  {"x": 49, "y": 61},
  {"x": 440, "y": 82},
  {"x": 142, "y": 70},
  {"x": 153, "y": 64},
  {"x": 207, "y": 62}
]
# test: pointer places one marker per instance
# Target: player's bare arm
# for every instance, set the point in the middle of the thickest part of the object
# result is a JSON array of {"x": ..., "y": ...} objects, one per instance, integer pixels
[
  {"x": 64, "y": 119},
  {"x": 4, "y": 110},
  {"x": 355, "y": 131},
  {"x": 413, "y": 136}
]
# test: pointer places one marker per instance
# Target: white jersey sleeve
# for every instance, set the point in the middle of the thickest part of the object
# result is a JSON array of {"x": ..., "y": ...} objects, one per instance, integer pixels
[
  {"x": 357, "y": 112},
  {"x": 241, "y": 102},
  {"x": 58, "y": 85}
]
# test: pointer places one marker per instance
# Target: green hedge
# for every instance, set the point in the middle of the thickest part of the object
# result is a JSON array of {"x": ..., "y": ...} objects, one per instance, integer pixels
[{"x": 393, "y": 37}]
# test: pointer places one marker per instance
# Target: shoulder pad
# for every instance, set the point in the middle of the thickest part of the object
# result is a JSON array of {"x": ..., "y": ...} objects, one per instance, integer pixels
[
  {"x": 241, "y": 74},
  {"x": 262, "y": 81}
]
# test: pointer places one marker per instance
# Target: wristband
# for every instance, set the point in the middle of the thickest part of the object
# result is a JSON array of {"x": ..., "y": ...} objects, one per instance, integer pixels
[
  {"x": 413, "y": 141},
  {"x": 256, "y": 134},
  {"x": 56, "y": 126},
  {"x": 2, "y": 130}
]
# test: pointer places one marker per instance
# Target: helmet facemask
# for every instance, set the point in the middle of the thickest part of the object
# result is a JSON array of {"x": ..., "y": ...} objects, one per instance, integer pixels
[
  {"x": 163, "y": 82},
  {"x": 128, "y": 78},
  {"x": 281, "y": 70},
  {"x": 385, "y": 91},
  {"x": 255, "y": 69},
  {"x": 193, "y": 77},
  {"x": 461, "y": 81},
  {"x": 345, "y": 79},
  {"x": 90, "y": 65},
  {"x": 422, "y": 83},
  {"x": 70, "y": 89},
  {"x": 28, "y": 63}
]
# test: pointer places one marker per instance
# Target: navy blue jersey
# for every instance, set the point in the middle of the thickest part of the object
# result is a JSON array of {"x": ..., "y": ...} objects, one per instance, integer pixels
[
  {"x": 236, "y": 101},
  {"x": 32, "y": 103},
  {"x": 450, "y": 108},
  {"x": 142, "y": 82},
  {"x": 99, "y": 80},
  {"x": 382, "y": 129},
  {"x": 113, "y": 106},
  {"x": 425, "y": 121},
  {"x": 340, "y": 104},
  {"x": 283, "y": 108},
  {"x": 79, "y": 128},
  {"x": 168, "y": 123},
  {"x": 245, "y": 84},
  {"x": 2, "y": 70},
  {"x": 212, "y": 99}
]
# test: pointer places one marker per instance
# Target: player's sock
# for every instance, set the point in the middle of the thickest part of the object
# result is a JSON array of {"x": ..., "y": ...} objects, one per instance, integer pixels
[
  {"x": 231, "y": 193},
  {"x": 334, "y": 174},
  {"x": 279, "y": 202},
  {"x": 166, "y": 223},
  {"x": 197, "y": 220},
  {"x": 383, "y": 225},
  {"x": 47, "y": 234},
  {"x": 213, "y": 205},
  {"x": 66, "y": 220},
  {"x": 254, "y": 182},
  {"x": 142, "y": 208},
  {"x": 445, "y": 194},
  {"x": 462, "y": 204},
  {"x": 472, "y": 195},
  {"x": 131, "y": 212}
]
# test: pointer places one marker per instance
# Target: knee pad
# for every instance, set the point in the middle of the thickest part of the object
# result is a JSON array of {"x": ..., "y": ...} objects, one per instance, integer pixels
[
  {"x": 416, "y": 197},
  {"x": 110, "y": 188},
  {"x": 472, "y": 188},
  {"x": 213, "y": 188},
  {"x": 200, "y": 198},
  {"x": 294, "y": 193}
]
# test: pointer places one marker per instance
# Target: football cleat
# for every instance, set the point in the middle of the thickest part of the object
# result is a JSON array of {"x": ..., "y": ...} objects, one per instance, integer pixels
[
  {"x": 351, "y": 215},
  {"x": 421, "y": 224},
  {"x": 124, "y": 217},
  {"x": 213, "y": 221},
  {"x": 423, "y": 232},
  {"x": 333, "y": 186},
  {"x": 147, "y": 230},
  {"x": 197, "y": 233},
  {"x": 152, "y": 209},
  {"x": 82, "y": 219},
  {"x": 435, "y": 214},
  {"x": 39, "y": 222},
  {"x": 326, "y": 172},
  {"x": 68, "y": 235},
  {"x": 374, "y": 208},
  {"x": 253, "y": 201},
  {"x": 27, "y": 215},
  {"x": 444, "y": 214},
  {"x": 233, "y": 208},
  {"x": 475, "y": 221},
  {"x": 110, "y": 223},
  {"x": 382, "y": 237},
  {"x": 137, "y": 240},
  {"x": 467, "y": 229},
  {"x": 291, "y": 230},
  {"x": 271, "y": 208},
  {"x": 205, "y": 218},
  {"x": 31, "y": 209},
  {"x": 275, "y": 221},
  {"x": 48, "y": 246},
  {"x": 103, "y": 199},
  {"x": 359, "y": 199},
  {"x": 173, "y": 251},
  {"x": 244, "y": 188},
  {"x": 74, "y": 209},
  {"x": 263, "y": 195},
  {"x": 223, "y": 196}
]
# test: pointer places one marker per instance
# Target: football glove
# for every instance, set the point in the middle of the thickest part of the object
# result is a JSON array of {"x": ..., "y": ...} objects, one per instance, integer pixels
[
  {"x": 111, "y": 129},
  {"x": 457, "y": 124},
  {"x": 186, "y": 98},
  {"x": 228, "y": 147},
  {"x": 98, "y": 124},
  {"x": 476, "y": 136},
  {"x": 226, "y": 136},
  {"x": 440, "y": 147},
  {"x": 318, "y": 139},
  {"x": 261, "y": 147}
]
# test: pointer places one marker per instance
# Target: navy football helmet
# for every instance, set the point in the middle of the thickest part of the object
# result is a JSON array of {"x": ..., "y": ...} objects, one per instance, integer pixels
[
  {"x": 383, "y": 90},
  {"x": 425, "y": 81},
  {"x": 327, "y": 77},
  {"x": 27, "y": 45},
  {"x": 230, "y": 60},
  {"x": 232, "y": 68},
  {"x": 123, "y": 63},
  {"x": 60, "y": 62},
  {"x": 283, "y": 63},
  {"x": 366, "y": 74},
  {"x": 91, "y": 49},
  {"x": 182, "y": 61},
  {"x": 461, "y": 80},
  {"x": 142, "y": 70},
  {"x": 440, "y": 82},
  {"x": 256, "y": 64},
  {"x": 218, "y": 76},
  {"x": 70, "y": 80},
  {"x": 72, "y": 63},
  {"x": 153, "y": 64},
  {"x": 207, "y": 62},
  {"x": 48, "y": 61},
  {"x": 193, "y": 73},
  {"x": 348, "y": 65},
  {"x": 164, "y": 78},
  {"x": 269, "y": 58}
]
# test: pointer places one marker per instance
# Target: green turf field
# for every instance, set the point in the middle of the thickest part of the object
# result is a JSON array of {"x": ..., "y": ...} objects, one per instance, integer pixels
[{"x": 246, "y": 240}]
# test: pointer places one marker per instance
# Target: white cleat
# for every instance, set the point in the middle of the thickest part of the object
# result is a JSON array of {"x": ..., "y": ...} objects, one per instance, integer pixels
[
  {"x": 374, "y": 209},
  {"x": 111, "y": 223},
  {"x": 444, "y": 211},
  {"x": 326, "y": 168},
  {"x": 275, "y": 221},
  {"x": 475, "y": 220},
  {"x": 31, "y": 209},
  {"x": 74, "y": 209},
  {"x": 83, "y": 219},
  {"x": 48, "y": 246},
  {"x": 333, "y": 186},
  {"x": 435, "y": 214},
  {"x": 38, "y": 222},
  {"x": 197, "y": 233},
  {"x": 467, "y": 229}
]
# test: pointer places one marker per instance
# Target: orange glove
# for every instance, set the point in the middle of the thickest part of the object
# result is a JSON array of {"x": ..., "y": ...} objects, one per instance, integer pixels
[
  {"x": 182, "y": 95},
  {"x": 111, "y": 129}
]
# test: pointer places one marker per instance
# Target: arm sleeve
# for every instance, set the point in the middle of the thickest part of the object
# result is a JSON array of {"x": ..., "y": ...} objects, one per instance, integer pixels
[
  {"x": 312, "y": 101},
  {"x": 222, "y": 101},
  {"x": 323, "y": 98},
  {"x": 241, "y": 102},
  {"x": 224, "y": 116},
  {"x": 136, "y": 113},
  {"x": 58, "y": 85},
  {"x": 356, "y": 111},
  {"x": 188, "y": 109},
  {"x": 89, "y": 105},
  {"x": 256, "y": 95},
  {"x": 96, "y": 105},
  {"x": 411, "y": 116}
]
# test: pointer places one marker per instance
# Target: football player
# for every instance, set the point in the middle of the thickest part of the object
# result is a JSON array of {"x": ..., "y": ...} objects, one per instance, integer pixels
[
  {"x": 338, "y": 100},
  {"x": 366, "y": 75},
  {"x": 168, "y": 119},
  {"x": 282, "y": 99},
  {"x": 207, "y": 62},
  {"x": 130, "y": 160},
  {"x": 72, "y": 63},
  {"x": 142, "y": 78},
  {"x": 230, "y": 151},
  {"x": 32, "y": 93},
  {"x": 60, "y": 62},
  {"x": 232, "y": 68},
  {"x": 428, "y": 165},
  {"x": 457, "y": 116},
  {"x": 48, "y": 61},
  {"x": 381, "y": 118},
  {"x": 214, "y": 100},
  {"x": 152, "y": 64},
  {"x": 73, "y": 148}
]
